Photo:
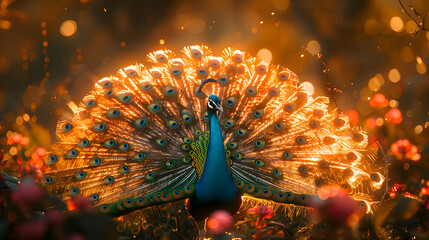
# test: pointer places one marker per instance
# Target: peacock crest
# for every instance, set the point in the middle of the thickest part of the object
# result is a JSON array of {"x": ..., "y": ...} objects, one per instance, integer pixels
[{"x": 142, "y": 137}]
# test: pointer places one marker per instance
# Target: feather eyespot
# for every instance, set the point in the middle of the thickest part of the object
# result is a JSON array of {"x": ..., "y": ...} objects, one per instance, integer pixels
[
  {"x": 186, "y": 160},
  {"x": 302, "y": 197},
  {"x": 214, "y": 63},
  {"x": 315, "y": 124},
  {"x": 105, "y": 83},
  {"x": 229, "y": 123},
  {"x": 289, "y": 195},
  {"x": 176, "y": 71},
  {"x": 123, "y": 169},
  {"x": 230, "y": 102},
  {"x": 66, "y": 127},
  {"x": 128, "y": 203},
  {"x": 47, "y": 180},
  {"x": 189, "y": 189},
  {"x": 319, "y": 182},
  {"x": 110, "y": 143},
  {"x": 187, "y": 140},
  {"x": 177, "y": 194},
  {"x": 277, "y": 172},
  {"x": 284, "y": 75},
  {"x": 349, "y": 172},
  {"x": 302, "y": 96},
  {"x": 339, "y": 122},
  {"x": 51, "y": 159},
  {"x": 124, "y": 98},
  {"x": 238, "y": 156},
  {"x": 198, "y": 133},
  {"x": 237, "y": 56},
  {"x": 232, "y": 145},
  {"x": 124, "y": 147},
  {"x": 139, "y": 156},
  {"x": 303, "y": 169},
  {"x": 145, "y": 86},
  {"x": 259, "y": 143},
  {"x": 205, "y": 117},
  {"x": 224, "y": 80},
  {"x": 73, "y": 191},
  {"x": 79, "y": 175},
  {"x": 323, "y": 164},
  {"x": 279, "y": 126},
  {"x": 185, "y": 147},
  {"x": 301, "y": 140},
  {"x": 290, "y": 107},
  {"x": 202, "y": 71},
  {"x": 90, "y": 103},
  {"x": 251, "y": 91},
  {"x": 239, "y": 184},
  {"x": 261, "y": 68},
  {"x": 161, "y": 57},
  {"x": 267, "y": 193},
  {"x": 318, "y": 113},
  {"x": 100, "y": 127},
  {"x": 196, "y": 53},
  {"x": 140, "y": 123},
  {"x": 287, "y": 155},
  {"x": 170, "y": 91},
  {"x": 274, "y": 92},
  {"x": 141, "y": 202},
  {"x": 258, "y": 113},
  {"x": 155, "y": 72},
  {"x": 329, "y": 140},
  {"x": 259, "y": 163},
  {"x": 108, "y": 180},
  {"x": 105, "y": 208},
  {"x": 250, "y": 188},
  {"x": 161, "y": 142},
  {"x": 172, "y": 124},
  {"x": 187, "y": 117},
  {"x": 72, "y": 153},
  {"x": 84, "y": 143},
  {"x": 375, "y": 177},
  {"x": 169, "y": 163},
  {"x": 165, "y": 197},
  {"x": 93, "y": 198},
  {"x": 241, "y": 132},
  {"x": 150, "y": 176},
  {"x": 154, "y": 107},
  {"x": 108, "y": 93},
  {"x": 352, "y": 156},
  {"x": 113, "y": 113},
  {"x": 131, "y": 72},
  {"x": 95, "y": 161},
  {"x": 359, "y": 137}
]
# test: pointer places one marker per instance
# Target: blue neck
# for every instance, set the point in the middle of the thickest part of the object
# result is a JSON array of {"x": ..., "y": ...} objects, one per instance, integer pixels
[{"x": 216, "y": 183}]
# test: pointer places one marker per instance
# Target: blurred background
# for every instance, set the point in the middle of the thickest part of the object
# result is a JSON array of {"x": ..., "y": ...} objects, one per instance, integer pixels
[{"x": 370, "y": 57}]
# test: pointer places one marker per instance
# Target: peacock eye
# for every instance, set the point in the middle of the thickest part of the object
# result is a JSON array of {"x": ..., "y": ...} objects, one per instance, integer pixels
[
  {"x": 73, "y": 191},
  {"x": 287, "y": 155},
  {"x": 232, "y": 145},
  {"x": 66, "y": 127},
  {"x": 229, "y": 123},
  {"x": 110, "y": 143},
  {"x": 187, "y": 140},
  {"x": 47, "y": 180},
  {"x": 124, "y": 169},
  {"x": 113, "y": 113},
  {"x": 90, "y": 102},
  {"x": 93, "y": 197},
  {"x": 161, "y": 142},
  {"x": 51, "y": 159},
  {"x": 185, "y": 147},
  {"x": 124, "y": 98},
  {"x": 139, "y": 156},
  {"x": 79, "y": 175},
  {"x": 258, "y": 113},
  {"x": 277, "y": 172},
  {"x": 83, "y": 143},
  {"x": 186, "y": 160},
  {"x": 108, "y": 180},
  {"x": 100, "y": 127},
  {"x": 169, "y": 164},
  {"x": 259, "y": 163},
  {"x": 154, "y": 107},
  {"x": 72, "y": 153},
  {"x": 150, "y": 176},
  {"x": 283, "y": 75},
  {"x": 140, "y": 123},
  {"x": 187, "y": 116},
  {"x": 95, "y": 161},
  {"x": 241, "y": 132},
  {"x": 172, "y": 124},
  {"x": 124, "y": 146},
  {"x": 105, "y": 83}
]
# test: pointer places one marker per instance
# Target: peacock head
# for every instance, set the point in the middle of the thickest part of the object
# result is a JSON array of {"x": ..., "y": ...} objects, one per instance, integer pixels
[{"x": 213, "y": 104}]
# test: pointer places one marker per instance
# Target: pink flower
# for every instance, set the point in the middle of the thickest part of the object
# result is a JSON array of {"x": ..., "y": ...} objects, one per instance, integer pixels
[
  {"x": 28, "y": 192},
  {"x": 79, "y": 203},
  {"x": 394, "y": 115},
  {"x": 219, "y": 221},
  {"x": 403, "y": 149},
  {"x": 378, "y": 100},
  {"x": 17, "y": 138}
]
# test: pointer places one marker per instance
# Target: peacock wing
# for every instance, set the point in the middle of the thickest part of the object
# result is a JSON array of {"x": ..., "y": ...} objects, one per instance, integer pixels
[
  {"x": 127, "y": 145},
  {"x": 286, "y": 145}
]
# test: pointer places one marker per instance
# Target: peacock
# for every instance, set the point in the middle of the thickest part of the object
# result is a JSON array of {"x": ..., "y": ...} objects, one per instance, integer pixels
[{"x": 215, "y": 130}]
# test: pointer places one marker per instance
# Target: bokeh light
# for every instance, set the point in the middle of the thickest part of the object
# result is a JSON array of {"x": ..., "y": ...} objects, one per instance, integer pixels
[
  {"x": 396, "y": 24},
  {"x": 68, "y": 28}
]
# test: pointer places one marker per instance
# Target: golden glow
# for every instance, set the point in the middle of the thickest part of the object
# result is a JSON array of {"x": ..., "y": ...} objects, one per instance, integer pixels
[
  {"x": 418, "y": 129},
  {"x": 72, "y": 106},
  {"x": 313, "y": 47},
  {"x": 68, "y": 28},
  {"x": 421, "y": 66},
  {"x": 396, "y": 24},
  {"x": 394, "y": 75},
  {"x": 265, "y": 55}
]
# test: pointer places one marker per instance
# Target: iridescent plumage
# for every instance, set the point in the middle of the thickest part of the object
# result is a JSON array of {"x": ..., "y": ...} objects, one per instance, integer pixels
[{"x": 141, "y": 138}]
